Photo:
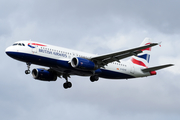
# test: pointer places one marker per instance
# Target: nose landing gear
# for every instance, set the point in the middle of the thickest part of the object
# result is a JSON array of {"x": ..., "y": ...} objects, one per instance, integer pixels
[{"x": 28, "y": 70}]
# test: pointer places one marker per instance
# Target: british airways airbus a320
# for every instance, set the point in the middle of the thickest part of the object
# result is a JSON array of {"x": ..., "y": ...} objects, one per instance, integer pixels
[{"x": 63, "y": 62}]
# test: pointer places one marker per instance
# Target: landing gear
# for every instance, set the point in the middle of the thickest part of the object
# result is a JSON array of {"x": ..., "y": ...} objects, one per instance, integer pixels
[
  {"x": 94, "y": 78},
  {"x": 28, "y": 70},
  {"x": 67, "y": 84}
]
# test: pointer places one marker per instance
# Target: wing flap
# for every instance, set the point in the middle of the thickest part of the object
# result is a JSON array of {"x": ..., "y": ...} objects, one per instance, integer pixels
[{"x": 156, "y": 68}]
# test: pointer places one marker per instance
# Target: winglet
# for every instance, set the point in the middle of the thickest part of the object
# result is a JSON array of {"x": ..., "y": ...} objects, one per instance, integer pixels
[{"x": 159, "y": 44}]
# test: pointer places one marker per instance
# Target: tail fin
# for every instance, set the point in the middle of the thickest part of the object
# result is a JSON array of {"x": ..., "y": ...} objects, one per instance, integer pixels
[{"x": 143, "y": 58}]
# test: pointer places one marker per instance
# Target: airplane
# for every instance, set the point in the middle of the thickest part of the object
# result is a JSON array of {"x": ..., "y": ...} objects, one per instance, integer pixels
[{"x": 63, "y": 62}]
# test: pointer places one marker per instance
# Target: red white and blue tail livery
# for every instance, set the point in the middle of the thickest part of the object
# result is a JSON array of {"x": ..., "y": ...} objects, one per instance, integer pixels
[
  {"x": 143, "y": 58},
  {"x": 63, "y": 62}
]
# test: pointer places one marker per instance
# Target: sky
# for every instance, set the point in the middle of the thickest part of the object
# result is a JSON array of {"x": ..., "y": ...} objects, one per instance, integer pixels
[{"x": 99, "y": 27}]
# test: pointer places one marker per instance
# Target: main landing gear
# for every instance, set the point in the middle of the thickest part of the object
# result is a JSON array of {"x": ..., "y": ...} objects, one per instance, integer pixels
[
  {"x": 94, "y": 78},
  {"x": 28, "y": 70},
  {"x": 67, "y": 84}
]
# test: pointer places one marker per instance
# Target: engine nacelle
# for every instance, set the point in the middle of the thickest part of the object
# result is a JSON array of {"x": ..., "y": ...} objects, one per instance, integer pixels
[
  {"x": 44, "y": 75},
  {"x": 83, "y": 64}
]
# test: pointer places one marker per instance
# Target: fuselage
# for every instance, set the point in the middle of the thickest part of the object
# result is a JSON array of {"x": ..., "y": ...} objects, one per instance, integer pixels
[{"x": 59, "y": 58}]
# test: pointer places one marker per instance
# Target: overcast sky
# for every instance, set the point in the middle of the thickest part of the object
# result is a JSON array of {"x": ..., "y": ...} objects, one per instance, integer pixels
[{"x": 99, "y": 27}]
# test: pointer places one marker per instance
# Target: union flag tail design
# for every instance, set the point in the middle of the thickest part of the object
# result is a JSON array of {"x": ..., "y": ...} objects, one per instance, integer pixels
[{"x": 143, "y": 58}]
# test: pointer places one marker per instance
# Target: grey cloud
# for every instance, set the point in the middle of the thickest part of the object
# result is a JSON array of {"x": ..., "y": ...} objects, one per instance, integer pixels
[
  {"x": 161, "y": 15},
  {"x": 97, "y": 16},
  {"x": 88, "y": 26}
]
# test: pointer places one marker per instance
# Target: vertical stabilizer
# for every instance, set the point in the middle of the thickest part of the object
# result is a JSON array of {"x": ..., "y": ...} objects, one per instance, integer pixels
[{"x": 143, "y": 58}]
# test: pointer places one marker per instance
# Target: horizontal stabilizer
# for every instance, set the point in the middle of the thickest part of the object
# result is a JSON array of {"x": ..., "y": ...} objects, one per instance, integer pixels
[{"x": 156, "y": 68}]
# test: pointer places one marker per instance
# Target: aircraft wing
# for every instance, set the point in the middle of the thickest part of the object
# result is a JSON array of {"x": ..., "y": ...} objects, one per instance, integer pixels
[
  {"x": 156, "y": 68},
  {"x": 108, "y": 58}
]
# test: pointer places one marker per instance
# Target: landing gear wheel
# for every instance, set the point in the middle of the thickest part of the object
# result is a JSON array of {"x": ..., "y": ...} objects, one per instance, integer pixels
[
  {"x": 27, "y": 71},
  {"x": 91, "y": 79},
  {"x": 67, "y": 85},
  {"x": 94, "y": 78}
]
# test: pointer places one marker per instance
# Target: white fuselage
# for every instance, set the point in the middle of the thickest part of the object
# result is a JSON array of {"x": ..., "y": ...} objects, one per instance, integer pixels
[{"x": 59, "y": 58}]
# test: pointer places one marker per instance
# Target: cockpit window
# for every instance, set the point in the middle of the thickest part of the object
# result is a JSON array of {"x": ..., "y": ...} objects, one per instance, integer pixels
[
  {"x": 15, "y": 44},
  {"x": 19, "y": 44}
]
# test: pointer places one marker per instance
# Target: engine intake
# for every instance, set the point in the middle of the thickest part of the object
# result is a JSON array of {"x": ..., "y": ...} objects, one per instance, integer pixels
[
  {"x": 83, "y": 64},
  {"x": 43, "y": 75}
]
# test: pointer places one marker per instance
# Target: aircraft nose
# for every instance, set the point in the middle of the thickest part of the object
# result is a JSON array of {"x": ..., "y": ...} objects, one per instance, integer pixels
[
  {"x": 9, "y": 51},
  {"x": 13, "y": 53}
]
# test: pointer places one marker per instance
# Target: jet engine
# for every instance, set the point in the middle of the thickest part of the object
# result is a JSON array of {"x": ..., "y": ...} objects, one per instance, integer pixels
[
  {"x": 83, "y": 64},
  {"x": 43, "y": 75}
]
